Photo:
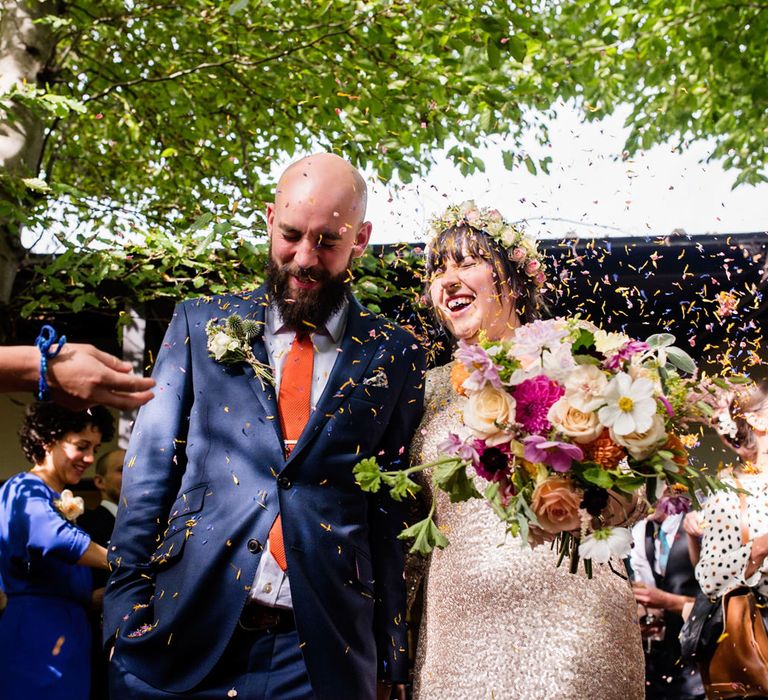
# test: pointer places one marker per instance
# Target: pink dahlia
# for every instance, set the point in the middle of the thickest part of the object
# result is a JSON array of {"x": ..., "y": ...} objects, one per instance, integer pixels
[
  {"x": 625, "y": 353},
  {"x": 534, "y": 398}
]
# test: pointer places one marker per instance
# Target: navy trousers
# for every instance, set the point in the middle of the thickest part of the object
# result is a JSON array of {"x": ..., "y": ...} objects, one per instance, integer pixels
[{"x": 255, "y": 666}]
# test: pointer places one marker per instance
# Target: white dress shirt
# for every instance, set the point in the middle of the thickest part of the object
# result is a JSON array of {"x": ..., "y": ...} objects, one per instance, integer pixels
[
  {"x": 638, "y": 558},
  {"x": 110, "y": 506},
  {"x": 270, "y": 585}
]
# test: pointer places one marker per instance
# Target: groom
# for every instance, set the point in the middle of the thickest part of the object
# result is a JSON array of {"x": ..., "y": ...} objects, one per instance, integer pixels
[{"x": 246, "y": 561}]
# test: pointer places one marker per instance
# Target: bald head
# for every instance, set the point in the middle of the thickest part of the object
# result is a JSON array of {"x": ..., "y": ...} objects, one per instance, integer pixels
[{"x": 324, "y": 178}]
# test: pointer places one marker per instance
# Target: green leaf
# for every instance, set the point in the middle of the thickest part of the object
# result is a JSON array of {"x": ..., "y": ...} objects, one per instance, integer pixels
[
  {"x": 660, "y": 340},
  {"x": 530, "y": 165},
  {"x": 35, "y": 184},
  {"x": 518, "y": 48},
  {"x": 451, "y": 476},
  {"x": 236, "y": 6},
  {"x": 400, "y": 484},
  {"x": 494, "y": 54},
  {"x": 368, "y": 475},
  {"x": 681, "y": 359},
  {"x": 426, "y": 536},
  {"x": 585, "y": 340},
  {"x": 509, "y": 159},
  {"x": 598, "y": 477}
]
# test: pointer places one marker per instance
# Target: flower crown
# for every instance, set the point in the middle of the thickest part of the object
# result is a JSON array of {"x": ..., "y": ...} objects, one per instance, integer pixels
[{"x": 521, "y": 249}]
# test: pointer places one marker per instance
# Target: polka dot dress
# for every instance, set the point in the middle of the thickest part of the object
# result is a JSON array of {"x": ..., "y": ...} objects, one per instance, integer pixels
[{"x": 723, "y": 556}]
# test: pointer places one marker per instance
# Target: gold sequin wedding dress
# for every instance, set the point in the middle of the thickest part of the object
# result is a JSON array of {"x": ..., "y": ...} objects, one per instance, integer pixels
[{"x": 502, "y": 621}]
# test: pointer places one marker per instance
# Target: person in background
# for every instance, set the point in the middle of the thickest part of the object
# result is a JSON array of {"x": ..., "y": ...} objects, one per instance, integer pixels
[
  {"x": 725, "y": 562},
  {"x": 45, "y": 557},
  {"x": 664, "y": 581},
  {"x": 99, "y": 523},
  {"x": 79, "y": 376}
]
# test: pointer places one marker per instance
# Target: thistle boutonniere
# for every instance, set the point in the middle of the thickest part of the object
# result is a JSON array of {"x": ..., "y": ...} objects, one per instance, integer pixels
[
  {"x": 70, "y": 506},
  {"x": 230, "y": 343}
]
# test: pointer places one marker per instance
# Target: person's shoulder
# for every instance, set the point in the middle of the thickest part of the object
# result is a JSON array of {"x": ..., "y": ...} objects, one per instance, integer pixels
[
  {"x": 223, "y": 305},
  {"x": 385, "y": 327}
]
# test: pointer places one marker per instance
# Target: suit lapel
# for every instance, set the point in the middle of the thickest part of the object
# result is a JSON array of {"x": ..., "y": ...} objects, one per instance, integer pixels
[
  {"x": 264, "y": 392},
  {"x": 358, "y": 348}
]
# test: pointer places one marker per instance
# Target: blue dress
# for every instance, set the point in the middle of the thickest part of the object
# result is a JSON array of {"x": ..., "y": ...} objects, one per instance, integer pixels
[{"x": 44, "y": 632}]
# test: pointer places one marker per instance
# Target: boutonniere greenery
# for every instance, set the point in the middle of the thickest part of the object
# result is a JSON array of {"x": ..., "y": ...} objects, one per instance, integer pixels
[{"x": 230, "y": 343}]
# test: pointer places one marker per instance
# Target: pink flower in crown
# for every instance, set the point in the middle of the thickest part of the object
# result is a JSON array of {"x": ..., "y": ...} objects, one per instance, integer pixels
[
  {"x": 518, "y": 255},
  {"x": 625, "y": 353},
  {"x": 558, "y": 455},
  {"x": 483, "y": 369},
  {"x": 532, "y": 267},
  {"x": 534, "y": 398},
  {"x": 493, "y": 461}
]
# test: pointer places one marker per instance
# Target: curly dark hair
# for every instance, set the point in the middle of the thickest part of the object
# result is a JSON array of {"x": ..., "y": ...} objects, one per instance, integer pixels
[{"x": 45, "y": 423}]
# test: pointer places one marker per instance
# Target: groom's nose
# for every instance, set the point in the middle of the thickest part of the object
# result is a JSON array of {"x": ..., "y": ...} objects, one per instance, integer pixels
[{"x": 305, "y": 254}]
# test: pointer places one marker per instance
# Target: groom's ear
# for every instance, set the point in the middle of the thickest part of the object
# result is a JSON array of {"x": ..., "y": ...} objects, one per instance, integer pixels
[
  {"x": 270, "y": 218},
  {"x": 361, "y": 239}
]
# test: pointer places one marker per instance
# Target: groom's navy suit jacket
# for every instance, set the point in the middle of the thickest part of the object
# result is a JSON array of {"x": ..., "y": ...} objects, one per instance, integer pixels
[{"x": 205, "y": 477}]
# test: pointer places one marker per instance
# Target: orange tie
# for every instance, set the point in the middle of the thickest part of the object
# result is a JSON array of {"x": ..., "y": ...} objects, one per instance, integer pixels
[{"x": 293, "y": 404}]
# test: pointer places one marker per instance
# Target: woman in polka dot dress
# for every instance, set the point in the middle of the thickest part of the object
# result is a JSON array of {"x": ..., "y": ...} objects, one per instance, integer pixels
[{"x": 725, "y": 562}]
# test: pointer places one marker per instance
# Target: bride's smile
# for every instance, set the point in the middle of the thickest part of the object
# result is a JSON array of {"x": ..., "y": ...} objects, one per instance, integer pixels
[{"x": 465, "y": 294}]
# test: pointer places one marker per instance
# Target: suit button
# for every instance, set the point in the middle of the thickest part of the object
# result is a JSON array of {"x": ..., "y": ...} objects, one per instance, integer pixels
[
  {"x": 254, "y": 546},
  {"x": 284, "y": 482}
]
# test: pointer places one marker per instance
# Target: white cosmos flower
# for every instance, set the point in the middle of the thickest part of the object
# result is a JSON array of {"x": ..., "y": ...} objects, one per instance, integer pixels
[
  {"x": 630, "y": 405},
  {"x": 601, "y": 545}
]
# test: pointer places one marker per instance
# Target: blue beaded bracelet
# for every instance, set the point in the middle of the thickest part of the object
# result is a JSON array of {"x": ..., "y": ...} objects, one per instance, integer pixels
[{"x": 44, "y": 342}]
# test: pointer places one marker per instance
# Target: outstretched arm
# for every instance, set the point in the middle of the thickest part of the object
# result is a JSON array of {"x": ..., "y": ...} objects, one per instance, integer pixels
[{"x": 80, "y": 376}]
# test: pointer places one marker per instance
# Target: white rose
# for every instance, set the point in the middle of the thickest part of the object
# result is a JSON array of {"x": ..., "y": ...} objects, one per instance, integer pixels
[
  {"x": 642, "y": 445},
  {"x": 486, "y": 411},
  {"x": 609, "y": 343},
  {"x": 569, "y": 420},
  {"x": 585, "y": 386},
  {"x": 220, "y": 344}
]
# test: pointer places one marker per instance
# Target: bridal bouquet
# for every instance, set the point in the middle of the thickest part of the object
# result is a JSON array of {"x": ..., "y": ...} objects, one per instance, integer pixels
[{"x": 566, "y": 424}]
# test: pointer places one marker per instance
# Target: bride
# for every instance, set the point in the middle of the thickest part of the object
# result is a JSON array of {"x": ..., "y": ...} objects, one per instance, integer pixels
[{"x": 501, "y": 620}]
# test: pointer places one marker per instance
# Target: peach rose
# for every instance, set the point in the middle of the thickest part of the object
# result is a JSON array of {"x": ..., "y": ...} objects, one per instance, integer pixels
[
  {"x": 556, "y": 505},
  {"x": 569, "y": 420},
  {"x": 487, "y": 412}
]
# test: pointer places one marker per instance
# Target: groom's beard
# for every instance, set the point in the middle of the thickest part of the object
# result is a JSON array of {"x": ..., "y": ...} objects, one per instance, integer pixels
[{"x": 305, "y": 310}]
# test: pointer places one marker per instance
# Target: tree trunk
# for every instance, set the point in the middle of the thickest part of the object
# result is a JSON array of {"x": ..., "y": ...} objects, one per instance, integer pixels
[{"x": 25, "y": 49}]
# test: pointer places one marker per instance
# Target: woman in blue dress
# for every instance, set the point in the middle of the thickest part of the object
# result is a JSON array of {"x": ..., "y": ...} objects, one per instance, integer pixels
[{"x": 44, "y": 558}]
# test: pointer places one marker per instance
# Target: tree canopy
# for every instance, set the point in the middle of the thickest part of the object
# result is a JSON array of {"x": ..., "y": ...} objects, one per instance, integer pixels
[{"x": 157, "y": 122}]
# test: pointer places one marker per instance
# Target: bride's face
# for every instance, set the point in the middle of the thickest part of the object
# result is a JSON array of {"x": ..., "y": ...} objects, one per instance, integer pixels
[{"x": 465, "y": 296}]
